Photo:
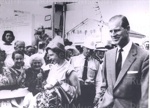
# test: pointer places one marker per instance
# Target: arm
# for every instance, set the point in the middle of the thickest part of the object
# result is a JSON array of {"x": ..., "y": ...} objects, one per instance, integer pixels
[
  {"x": 75, "y": 82},
  {"x": 72, "y": 86},
  {"x": 144, "y": 83},
  {"x": 101, "y": 84}
]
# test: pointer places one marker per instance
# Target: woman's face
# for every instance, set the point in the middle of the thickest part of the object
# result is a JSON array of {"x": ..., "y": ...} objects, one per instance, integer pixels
[
  {"x": 8, "y": 37},
  {"x": 69, "y": 53},
  {"x": 18, "y": 60},
  {"x": 53, "y": 57},
  {"x": 36, "y": 64}
]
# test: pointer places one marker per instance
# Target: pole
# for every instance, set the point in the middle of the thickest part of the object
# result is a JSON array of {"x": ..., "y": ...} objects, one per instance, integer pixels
[
  {"x": 64, "y": 20},
  {"x": 53, "y": 19}
]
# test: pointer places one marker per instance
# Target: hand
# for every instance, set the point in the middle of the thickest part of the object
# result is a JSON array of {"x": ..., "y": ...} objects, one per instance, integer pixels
[
  {"x": 7, "y": 74},
  {"x": 88, "y": 82},
  {"x": 5, "y": 80},
  {"x": 81, "y": 82},
  {"x": 47, "y": 86},
  {"x": 39, "y": 75}
]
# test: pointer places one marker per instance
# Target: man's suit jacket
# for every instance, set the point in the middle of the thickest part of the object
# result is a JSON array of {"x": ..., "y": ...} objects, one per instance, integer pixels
[{"x": 130, "y": 90}]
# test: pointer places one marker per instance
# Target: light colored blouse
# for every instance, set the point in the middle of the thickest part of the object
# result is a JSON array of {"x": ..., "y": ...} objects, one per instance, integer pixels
[
  {"x": 8, "y": 49},
  {"x": 58, "y": 73}
]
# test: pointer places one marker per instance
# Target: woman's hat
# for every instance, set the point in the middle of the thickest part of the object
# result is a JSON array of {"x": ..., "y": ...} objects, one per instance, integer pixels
[
  {"x": 57, "y": 42},
  {"x": 75, "y": 51}
]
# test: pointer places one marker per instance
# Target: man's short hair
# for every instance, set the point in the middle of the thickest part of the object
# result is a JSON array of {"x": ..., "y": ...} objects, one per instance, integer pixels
[
  {"x": 17, "y": 52},
  {"x": 125, "y": 22},
  {"x": 16, "y": 43}
]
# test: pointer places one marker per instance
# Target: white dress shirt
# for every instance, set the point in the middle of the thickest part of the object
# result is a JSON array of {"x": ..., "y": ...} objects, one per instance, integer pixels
[{"x": 125, "y": 52}]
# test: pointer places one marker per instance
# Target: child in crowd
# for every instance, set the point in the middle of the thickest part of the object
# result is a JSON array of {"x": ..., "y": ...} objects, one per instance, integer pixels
[
  {"x": 30, "y": 50},
  {"x": 18, "y": 46},
  {"x": 8, "y": 38}
]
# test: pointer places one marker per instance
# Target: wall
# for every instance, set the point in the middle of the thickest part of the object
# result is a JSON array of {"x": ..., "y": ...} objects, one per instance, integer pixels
[
  {"x": 33, "y": 14},
  {"x": 137, "y": 11}
]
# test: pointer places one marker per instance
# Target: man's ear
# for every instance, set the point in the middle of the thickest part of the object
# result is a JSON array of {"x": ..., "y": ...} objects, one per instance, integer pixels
[{"x": 15, "y": 48}]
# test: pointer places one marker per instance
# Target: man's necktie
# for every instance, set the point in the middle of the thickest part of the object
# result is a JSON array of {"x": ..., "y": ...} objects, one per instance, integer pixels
[
  {"x": 84, "y": 76},
  {"x": 119, "y": 63}
]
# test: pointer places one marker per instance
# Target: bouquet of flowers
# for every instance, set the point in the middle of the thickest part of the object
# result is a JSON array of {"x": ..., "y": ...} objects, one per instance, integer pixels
[{"x": 48, "y": 99}]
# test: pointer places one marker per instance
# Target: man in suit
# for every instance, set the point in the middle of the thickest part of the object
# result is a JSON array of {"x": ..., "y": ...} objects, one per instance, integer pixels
[{"x": 126, "y": 87}]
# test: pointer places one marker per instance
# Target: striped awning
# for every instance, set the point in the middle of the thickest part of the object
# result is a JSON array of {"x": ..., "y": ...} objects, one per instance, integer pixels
[{"x": 136, "y": 34}]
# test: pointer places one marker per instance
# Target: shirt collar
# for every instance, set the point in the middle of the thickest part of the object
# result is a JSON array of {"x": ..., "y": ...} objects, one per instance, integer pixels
[
  {"x": 127, "y": 47},
  {"x": 85, "y": 57}
]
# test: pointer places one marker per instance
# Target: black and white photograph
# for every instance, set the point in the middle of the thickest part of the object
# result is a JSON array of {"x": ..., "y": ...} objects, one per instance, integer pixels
[{"x": 74, "y": 53}]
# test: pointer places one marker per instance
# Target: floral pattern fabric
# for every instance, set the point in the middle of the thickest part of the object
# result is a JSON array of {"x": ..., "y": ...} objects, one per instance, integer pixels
[{"x": 48, "y": 99}]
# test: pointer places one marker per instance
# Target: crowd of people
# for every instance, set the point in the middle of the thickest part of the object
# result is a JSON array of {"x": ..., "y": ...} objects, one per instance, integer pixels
[{"x": 58, "y": 74}]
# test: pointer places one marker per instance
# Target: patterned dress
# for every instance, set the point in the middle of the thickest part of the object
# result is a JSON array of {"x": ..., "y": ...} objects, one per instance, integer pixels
[
  {"x": 6, "y": 83},
  {"x": 18, "y": 75}
]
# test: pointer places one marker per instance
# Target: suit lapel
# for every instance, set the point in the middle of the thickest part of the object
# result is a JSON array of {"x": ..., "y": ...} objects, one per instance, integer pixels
[{"x": 128, "y": 62}]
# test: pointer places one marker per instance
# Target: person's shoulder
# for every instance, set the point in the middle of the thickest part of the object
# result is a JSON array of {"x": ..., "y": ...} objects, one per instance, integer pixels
[
  {"x": 110, "y": 51},
  {"x": 76, "y": 58},
  {"x": 28, "y": 70},
  {"x": 70, "y": 69},
  {"x": 141, "y": 51}
]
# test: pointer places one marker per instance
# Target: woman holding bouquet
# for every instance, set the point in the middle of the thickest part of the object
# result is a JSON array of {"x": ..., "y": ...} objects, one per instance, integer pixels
[{"x": 62, "y": 85}]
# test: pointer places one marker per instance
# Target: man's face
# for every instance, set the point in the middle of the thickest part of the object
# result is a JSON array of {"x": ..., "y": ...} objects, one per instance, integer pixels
[
  {"x": 101, "y": 54},
  {"x": 86, "y": 51},
  {"x": 118, "y": 34},
  {"x": 20, "y": 47}
]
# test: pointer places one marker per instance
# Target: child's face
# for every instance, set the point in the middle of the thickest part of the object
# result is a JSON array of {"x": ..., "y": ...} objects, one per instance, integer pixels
[
  {"x": 8, "y": 37},
  {"x": 30, "y": 51},
  {"x": 20, "y": 47},
  {"x": 18, "y": 60},
  {"x": 36, "y": 64}
]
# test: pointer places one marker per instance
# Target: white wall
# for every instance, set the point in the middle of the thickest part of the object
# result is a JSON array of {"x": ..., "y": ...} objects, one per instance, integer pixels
[{"x": 34, "y": 18}]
